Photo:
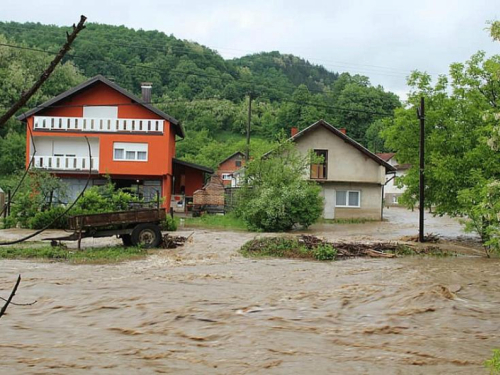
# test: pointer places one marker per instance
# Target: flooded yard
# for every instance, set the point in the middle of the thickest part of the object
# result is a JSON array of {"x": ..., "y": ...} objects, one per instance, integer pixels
[{"x": 205, "y": 309}]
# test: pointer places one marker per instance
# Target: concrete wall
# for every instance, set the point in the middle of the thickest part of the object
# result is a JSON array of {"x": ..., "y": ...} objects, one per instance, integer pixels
[
  {"x": 345, "y": 163},
  {"x": 370, "y": 205}
]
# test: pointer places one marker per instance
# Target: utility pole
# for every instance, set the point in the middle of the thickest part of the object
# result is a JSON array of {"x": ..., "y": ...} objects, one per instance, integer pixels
[
  {"x": 421, "y": 116},
  {"x": 250, "y": 97}
]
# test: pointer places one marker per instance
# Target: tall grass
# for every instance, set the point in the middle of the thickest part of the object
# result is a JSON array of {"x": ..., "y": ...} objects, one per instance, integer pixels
[{"x": 228, "y": 221}]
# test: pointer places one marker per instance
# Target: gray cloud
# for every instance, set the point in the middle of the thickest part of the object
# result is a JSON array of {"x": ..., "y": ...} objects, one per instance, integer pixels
[{"x": 383, "y": 39}]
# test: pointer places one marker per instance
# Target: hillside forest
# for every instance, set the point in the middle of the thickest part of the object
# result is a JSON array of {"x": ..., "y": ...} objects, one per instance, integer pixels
[{"x": 193, "y": 83}]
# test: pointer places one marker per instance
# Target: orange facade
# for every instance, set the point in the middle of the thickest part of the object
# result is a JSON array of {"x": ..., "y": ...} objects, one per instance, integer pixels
[{"x": 161, "y": 147}]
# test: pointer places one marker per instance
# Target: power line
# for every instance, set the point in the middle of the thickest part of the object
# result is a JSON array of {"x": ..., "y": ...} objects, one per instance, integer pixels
[
  {"x": 203, "y": 75},
  {"x": 326, "y": 106},
  {"x": 363, "y": 68},
  {"x": 75, "y": 56}
]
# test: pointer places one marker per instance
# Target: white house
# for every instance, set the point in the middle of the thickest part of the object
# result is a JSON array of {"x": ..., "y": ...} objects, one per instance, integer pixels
[
  {"x": 352, "y": 177},
  {"x": 392, "y": 192}
]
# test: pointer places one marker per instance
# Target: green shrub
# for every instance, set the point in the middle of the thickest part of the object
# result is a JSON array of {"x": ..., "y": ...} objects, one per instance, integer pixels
[
  {"x": 493, "y": 364},
  {"x": 33, "y": 197},
  {"x": 29, "y": 209},
  {"x": 105, "y": 198},
  {"x": 325, "y": 252},
  {"x": 286, "y": 247},
  {"x": 170, "y": 224},
  {"x": 276, "y": 196},
  {"x": 44, "y": 218}
]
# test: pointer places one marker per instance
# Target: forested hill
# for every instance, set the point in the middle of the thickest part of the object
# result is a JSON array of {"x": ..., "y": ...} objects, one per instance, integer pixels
[
  {"x": 177, "y": 67},
  {"x": 193, "y": 83}
]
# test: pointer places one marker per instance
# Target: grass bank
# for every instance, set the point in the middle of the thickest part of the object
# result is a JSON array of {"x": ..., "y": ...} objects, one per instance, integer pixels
[
  {"x": 285, "y": 247},
  {"x": 109, "y": 254},
  {"x": 311, "y": 247},
  {"x": 228, "y": 221}
]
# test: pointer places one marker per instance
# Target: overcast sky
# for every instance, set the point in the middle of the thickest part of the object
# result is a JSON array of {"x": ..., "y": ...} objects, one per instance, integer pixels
[{"x": 383, "y": 39}]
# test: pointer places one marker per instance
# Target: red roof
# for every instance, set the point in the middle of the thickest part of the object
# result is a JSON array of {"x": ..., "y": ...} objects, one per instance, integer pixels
[{"x": 386, "y": 156}]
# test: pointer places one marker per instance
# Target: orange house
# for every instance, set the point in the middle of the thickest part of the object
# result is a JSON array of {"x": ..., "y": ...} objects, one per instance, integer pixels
[
  {"x": 228, "y": 166},
  {"x": 130, "y": 140}
]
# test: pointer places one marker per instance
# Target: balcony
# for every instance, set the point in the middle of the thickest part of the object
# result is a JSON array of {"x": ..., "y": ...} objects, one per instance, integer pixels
[
  {"x": 103, "y": 125},
  {"x": 66, "y": 163}
]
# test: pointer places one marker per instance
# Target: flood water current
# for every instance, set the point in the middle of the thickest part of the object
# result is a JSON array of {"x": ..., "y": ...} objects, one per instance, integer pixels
[{"x": 204, "y": 309}]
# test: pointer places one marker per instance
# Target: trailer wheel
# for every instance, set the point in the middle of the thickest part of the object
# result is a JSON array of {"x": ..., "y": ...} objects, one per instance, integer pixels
[
  {"x": 126, "y": 239},
  {"x": 146, "y": 235}
]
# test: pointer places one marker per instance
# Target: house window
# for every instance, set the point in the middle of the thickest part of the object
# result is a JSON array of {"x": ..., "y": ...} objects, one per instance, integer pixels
[
  {"x": 238, "y": 163},
  {"x": 100, "y": 112},
  {"x": 119, "y": 153},
  {"x": 348, "y": 198},
  {"x": 130, "y": 151},
  {"x": 227, "y": 176},
  {"x": 319, "y": 171}
]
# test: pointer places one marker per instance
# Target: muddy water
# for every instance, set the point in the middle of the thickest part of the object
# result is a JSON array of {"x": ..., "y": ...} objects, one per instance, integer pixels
[{"x": 204, "y": 309}]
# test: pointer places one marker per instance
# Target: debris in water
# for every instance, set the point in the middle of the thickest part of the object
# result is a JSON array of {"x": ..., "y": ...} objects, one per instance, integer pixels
[
  {"x": 429, "y": 237},
  {"x": 172, "y": 242},
  {"x": 248, "y": 310},
  {"x": 353, "y": 249}
]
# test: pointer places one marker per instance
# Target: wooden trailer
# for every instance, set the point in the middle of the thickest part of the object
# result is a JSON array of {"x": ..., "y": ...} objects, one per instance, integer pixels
[{"x": 137, "y": 227}]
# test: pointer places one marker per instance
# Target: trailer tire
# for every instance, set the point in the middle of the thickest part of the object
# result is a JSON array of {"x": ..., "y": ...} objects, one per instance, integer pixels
[
  {"x": 146, "y": 235},
  {"x": 126, "y": 239}
]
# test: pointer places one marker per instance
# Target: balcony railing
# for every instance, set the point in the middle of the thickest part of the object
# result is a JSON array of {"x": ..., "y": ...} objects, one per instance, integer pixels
[
  {"x": 87, "y": 124},
  {"x": 66, "y": 163}
]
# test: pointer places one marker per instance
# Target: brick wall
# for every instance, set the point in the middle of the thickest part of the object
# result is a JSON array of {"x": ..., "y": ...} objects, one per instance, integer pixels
[{"x": 211, "y": 194}]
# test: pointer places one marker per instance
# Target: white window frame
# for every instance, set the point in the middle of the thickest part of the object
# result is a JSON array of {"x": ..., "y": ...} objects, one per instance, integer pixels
[
  {"x": 227, "y": 176},
  {"x": 131, "y": 147},
  {"x": 347, "y": 199}
]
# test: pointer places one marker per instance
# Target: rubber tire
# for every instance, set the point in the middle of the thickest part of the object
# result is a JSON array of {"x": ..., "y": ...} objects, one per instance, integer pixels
[
  {"x": 126, "y": 239},
  {"x": 146, "y": 229}
]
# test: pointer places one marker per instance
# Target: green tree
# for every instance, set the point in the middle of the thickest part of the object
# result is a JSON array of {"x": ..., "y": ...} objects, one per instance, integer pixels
[
  {"x": 459, "y": 162},
  {"x": 276, "y": 196},
  {"x": 12, "y": 152}
]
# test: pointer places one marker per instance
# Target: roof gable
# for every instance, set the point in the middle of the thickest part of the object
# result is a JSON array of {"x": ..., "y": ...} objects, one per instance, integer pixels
[
  {"x": 99, "y": 78},
  {"x": 345, "y": 138},
  {"x": 232, "y": 156},
  {"x": 386, "y": 156}
]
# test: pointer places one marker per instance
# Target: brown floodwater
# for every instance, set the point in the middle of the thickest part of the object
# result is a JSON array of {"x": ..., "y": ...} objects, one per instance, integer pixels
[{"x": 205, "y": 309}]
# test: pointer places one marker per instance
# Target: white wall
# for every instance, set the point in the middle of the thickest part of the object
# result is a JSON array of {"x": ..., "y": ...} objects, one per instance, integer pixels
[
  {"x": 48, "y": 146},
  {"x": 370, "y": 204},
  {"x": 391, "y": 187},
  {"x": 345, "y": 162}
]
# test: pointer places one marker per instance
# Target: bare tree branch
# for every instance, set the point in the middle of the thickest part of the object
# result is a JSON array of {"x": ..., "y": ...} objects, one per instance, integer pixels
[
  {"x": 19, "y": 304},
  {"x": 46, "y": 74},
  {"x": 12, "y": 294}
]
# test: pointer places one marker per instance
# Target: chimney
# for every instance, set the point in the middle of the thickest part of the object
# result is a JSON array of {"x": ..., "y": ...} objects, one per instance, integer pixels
[
  {"x": 295, "y": 130},
  {"x": 146, "y": 92},
  {"x": 343, "y": 130}
]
